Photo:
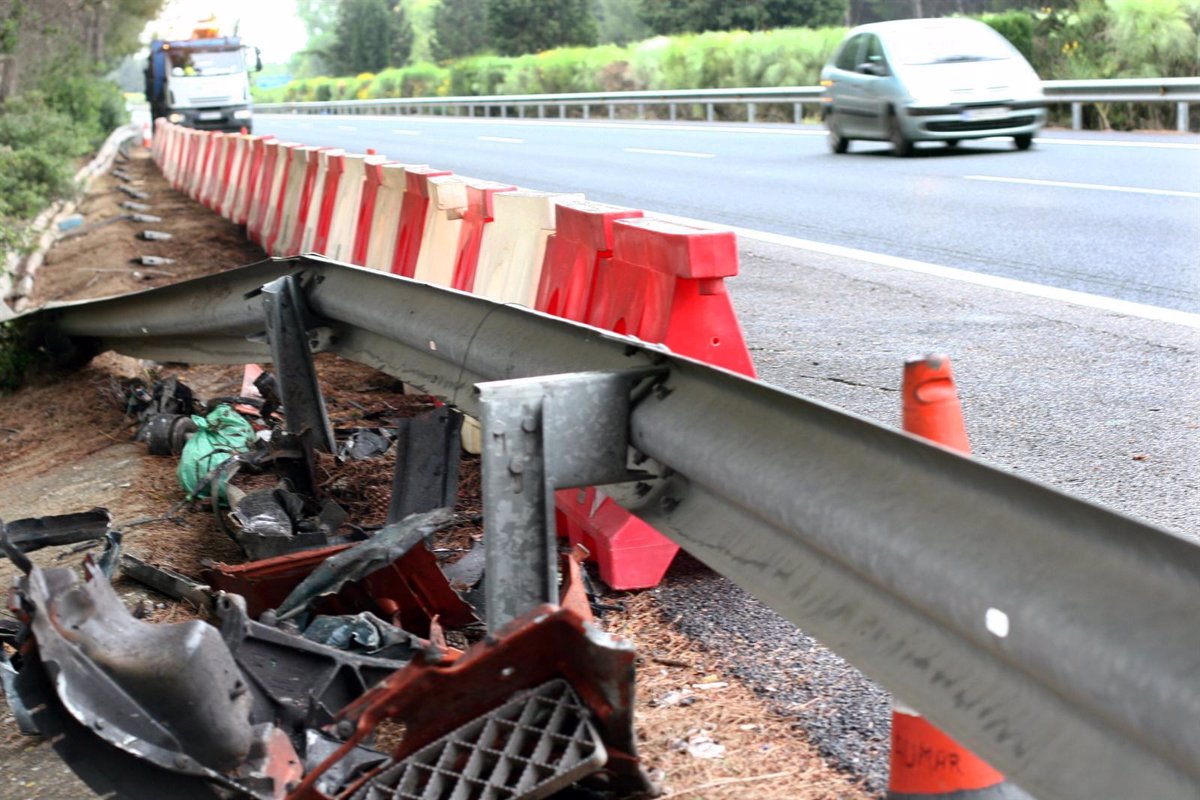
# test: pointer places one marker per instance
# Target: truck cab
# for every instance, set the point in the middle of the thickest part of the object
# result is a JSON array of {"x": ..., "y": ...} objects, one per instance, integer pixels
[{"x": 202, "y": 82}]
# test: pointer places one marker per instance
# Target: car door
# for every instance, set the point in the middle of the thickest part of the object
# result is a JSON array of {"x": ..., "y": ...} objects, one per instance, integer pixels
[
  {"x": 845, "y": 90},
  {"x": 878, "y": 87}
]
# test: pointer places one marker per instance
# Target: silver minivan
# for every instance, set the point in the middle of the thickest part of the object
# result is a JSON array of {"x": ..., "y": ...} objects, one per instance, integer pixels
[{"x": 943, "y": 80}]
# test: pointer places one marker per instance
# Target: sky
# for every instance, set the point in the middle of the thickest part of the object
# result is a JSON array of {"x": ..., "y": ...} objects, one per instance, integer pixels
[{"x": 270, "y": 25}]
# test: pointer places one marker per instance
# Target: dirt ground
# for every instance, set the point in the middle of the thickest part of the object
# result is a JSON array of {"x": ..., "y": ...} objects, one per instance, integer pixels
[{"x": 67, "y": 447}]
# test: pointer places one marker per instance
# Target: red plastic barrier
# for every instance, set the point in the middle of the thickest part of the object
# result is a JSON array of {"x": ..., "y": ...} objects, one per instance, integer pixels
[
  {"x": 274, "y": 220},
  {"x": 373, "y": 178},
  {"x": 227, "y": 168},
  {"x": 477, "y": 215},
  {"x": 251, "y": 174},
  {"x": 663, "y": 283},
  {"x": 292, "y": 247},
  {"x": 261, "y": 199},
  {"x": 333, "y": 175},
  {"x": 581, "y": 240},
  {"x": 216, "y": 166},
  {"x": 203, "y": 163},
  {"x": 666, "y": 283},
  {"x": 412, "y": 218}
]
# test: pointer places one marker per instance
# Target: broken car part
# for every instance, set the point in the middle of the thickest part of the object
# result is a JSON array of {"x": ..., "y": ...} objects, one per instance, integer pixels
[
  {"x": 167, "y": 581},
  {"x": 275, "y": 521},
  {"x": 427, "y": 452},
  {"x": 391, "y": 543},
  {"x": 28, "y": 535}
]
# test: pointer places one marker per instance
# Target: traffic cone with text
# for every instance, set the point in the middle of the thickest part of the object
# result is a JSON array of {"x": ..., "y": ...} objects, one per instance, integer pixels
[{"x": 927, "y": 764}]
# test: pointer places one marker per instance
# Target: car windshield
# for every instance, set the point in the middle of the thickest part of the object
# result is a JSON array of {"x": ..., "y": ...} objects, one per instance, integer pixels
[
  {"x": 947, "y": 45},
  {"x": 201, "y": 62}
]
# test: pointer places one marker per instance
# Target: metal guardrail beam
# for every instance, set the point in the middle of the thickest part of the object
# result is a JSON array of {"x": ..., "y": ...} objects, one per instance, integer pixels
[
  {"x": 1181, "y": 91},
  {"x": 1055, "y": 638}
]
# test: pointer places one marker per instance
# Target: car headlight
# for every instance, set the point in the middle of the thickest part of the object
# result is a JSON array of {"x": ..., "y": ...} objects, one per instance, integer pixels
[
  {"x": 177, "y": 117},
  {"x": 242, "y": 113}
]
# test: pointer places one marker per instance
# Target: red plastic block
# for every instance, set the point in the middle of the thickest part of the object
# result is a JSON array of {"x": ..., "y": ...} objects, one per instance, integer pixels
[
  {"x": 292, "y": 247},
  {"x": 629, "y": 553},
  {"x": 665, "y": 283},
  {"x": 283, "y": 163},
  {"x": 477, "y": 214},
  {"x": 412, "y": 218},
  {"x": 251, "y": 171},
  {"x": 333, "y": 175},
  {"x": 582, "y": 239}
]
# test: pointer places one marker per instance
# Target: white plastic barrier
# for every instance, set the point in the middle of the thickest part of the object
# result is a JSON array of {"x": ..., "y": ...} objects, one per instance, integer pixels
[
  {"x": 216, "y": 167},
  {"x": 443, "y": 223},
  {"x": 285, "y": 229},
  {"x": 278, "y": 183},
  {"x": 389, "y": 199},
  {"x": 250, "y": 179},
  {"x": 239, "y": 146},
  {"x": 346, "y": 203},
  {"x": 316, "y": 199},
  {"x": 510, "y": 257}
]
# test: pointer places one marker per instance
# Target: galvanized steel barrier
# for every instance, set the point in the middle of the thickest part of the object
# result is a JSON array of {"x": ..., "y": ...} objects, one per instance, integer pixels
[
  {"x": 1180, "y": 91},
  {"x": 900, "y": 555}
]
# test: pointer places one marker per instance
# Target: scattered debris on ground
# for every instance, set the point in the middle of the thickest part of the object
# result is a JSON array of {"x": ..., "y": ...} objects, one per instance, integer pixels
[{"x": 337, "y": 611}]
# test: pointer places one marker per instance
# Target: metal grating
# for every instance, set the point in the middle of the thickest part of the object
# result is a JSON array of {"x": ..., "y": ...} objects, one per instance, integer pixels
[{"x": 537, "y": 743}]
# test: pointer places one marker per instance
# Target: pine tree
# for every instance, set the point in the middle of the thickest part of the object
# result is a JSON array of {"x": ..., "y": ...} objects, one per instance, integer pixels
[
  {"x": 459, "y": 29},
  {"x": 530, "y": 26}
]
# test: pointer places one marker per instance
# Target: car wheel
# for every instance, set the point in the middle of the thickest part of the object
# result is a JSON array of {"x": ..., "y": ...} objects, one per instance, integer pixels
[
  {"x": 837, "y": 142},
  {"x": 1023, "y": 141},
  {"x": 902, "y": 146}
]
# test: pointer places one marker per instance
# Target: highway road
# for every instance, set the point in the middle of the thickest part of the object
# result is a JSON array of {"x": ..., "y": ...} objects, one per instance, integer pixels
[
  {"x": 1116, "y": 215},
  {"x": 852, "y": 263}
]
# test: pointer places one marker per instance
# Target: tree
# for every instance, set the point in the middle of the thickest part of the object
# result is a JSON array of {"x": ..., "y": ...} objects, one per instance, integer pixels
[
  {"x": 694, "y": 16},
  {"x": 619, "y": 21},
  {"x": 369, "y": 35},
  {"x": 530, "y": 26},
  {"x": 459, "y": 29}
]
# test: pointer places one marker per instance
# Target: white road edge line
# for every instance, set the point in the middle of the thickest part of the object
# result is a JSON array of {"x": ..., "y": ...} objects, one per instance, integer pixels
[
  {"x": 406, "y": 133},
  {"x": 1114, "y": 143},
  {"x": 503, "y": 139},
  {"x": 680, "y": 153},
  {"x": 1094, "y": 186},
  {"x": 1099, "y": 302}
]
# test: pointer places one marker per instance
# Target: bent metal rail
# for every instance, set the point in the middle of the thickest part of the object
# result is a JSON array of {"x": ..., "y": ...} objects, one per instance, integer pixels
[
  {"x": 898, "y": 554},
  {"x": 1181, "y": 91}
]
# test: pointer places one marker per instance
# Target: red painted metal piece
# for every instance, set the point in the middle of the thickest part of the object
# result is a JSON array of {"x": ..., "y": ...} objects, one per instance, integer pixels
[
  {"x": 477, "y": 214},
  {"x": 580, "y": 243},
  {"x": 410, "y": 591},
  {"x": 433, "y": 696},
  {"x": 412, "y": 218}
]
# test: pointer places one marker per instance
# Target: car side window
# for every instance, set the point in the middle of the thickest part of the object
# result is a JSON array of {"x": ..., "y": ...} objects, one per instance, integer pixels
[
  {"x": 874, "y": 54},
  {"x": 847, "y": 57}
]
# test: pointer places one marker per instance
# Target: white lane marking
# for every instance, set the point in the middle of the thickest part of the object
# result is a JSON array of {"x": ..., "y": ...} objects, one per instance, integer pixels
[
  {"x": 346, "y": 128},
  {"x": 1111, "y": 304},
  {"x": 503, "y": 139},
  {"x": 1114, "y": 143},
  {"x": 680, "y": 153},
  {"x": 1095, "y": 186},
  {"x": 407, "y": 133}
]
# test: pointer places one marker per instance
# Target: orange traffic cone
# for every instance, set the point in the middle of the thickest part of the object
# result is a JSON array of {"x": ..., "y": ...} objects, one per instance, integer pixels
[
  {"x": 926, "y": 763},
  {"x": 146, "y": 135}
]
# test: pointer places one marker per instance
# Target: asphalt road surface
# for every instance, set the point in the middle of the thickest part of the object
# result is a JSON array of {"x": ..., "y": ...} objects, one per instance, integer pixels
[{"x": 1111, "y": 214}]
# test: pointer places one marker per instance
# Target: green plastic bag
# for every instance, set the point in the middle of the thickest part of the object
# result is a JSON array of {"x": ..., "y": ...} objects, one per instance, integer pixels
[{"x": 218, "y": 436}]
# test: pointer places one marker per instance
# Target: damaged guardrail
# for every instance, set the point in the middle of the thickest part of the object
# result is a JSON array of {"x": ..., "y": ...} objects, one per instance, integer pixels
[{"x": 1053, "y": 637}]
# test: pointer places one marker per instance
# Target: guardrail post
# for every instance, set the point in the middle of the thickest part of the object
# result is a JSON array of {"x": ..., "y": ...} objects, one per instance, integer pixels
[
  {"x": 1076, "y": 116},
  {"x": 671, "y": 109},
  {"x": 541, "y": 111},
  {"x": 710, "y": 111},
  {"x": 288, "y": 323},
  {"x": 587, "y": 111},
  {"x": 521, "y": 111},
  {"x": 641, "y": 110},
  {"x": 612, "y": 111},
  {"x": 751, "y": 108},
  {"x": 542, "y": 434},
  {"x": 797, "y": 113},
  {"x": 1182, "y": 112}
]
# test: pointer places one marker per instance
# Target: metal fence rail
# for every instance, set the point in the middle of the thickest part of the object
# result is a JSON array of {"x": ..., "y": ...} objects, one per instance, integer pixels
[
  {"x": 898, "y": 554},
  {"x": 1181, "y": 91}
]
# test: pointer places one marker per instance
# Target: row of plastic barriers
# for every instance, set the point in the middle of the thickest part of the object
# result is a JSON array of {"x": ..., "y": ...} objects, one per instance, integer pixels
[{"x": 556, "y": 252}]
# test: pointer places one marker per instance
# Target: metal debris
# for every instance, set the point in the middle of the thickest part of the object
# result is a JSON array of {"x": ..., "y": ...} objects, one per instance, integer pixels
[
  {"x": 167, "y": 581},
  {"x": 155, "y": 236},
  {"x": 276, "y": 521},
  {"x": 144, "y": 218},
  {"x": 427, "y": 454},
  {"x": 134, "y": 193},
  {"x": 135, "y": 206},
  {"x": 28, "y": 535},
  {"x": 153, "y": 261}
]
